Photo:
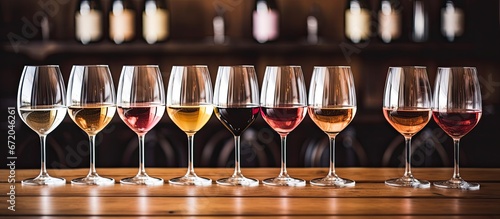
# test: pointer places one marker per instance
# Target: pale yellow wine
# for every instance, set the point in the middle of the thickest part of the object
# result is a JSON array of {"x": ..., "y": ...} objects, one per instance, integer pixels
[
  {"x": 43, "y": 119},
  {"x": 190, "y": 119},
  {"x": 92, "y": 118}
]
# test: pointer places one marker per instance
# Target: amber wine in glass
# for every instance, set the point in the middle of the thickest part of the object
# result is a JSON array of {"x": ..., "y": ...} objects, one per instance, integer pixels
[
  {"x": 91, "y": 105},
  {"x": 41, "y": 105},
  {"x": 407, "y": 107},
  {"x": 332, "y": 106},
  {"x": 189, "y": 105}
]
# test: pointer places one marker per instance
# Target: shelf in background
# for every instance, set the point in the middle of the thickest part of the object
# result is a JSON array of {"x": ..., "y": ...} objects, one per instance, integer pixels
[{"x": 40, "y": 50}]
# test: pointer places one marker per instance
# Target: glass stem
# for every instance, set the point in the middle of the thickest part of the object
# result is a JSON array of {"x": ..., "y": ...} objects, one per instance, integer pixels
[
  {"x": 283, "y": 172},
  {"x": 456, "y": 154},
  {"x": 43, "y": 168},
  {"x": 237, "y": 167},
  {"x": 142, "y": 168},
  {"x": 92, "y": 171},
  {"x": 190, "y": 170},
  {"x": 331, "y": 171},
  {"x": 408, "y": 173}
]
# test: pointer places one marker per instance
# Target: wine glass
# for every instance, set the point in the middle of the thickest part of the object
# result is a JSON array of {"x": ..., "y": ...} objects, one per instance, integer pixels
[
  {"x": 41, "y": 105},
  {"x": 189, "y": 105},
  {"x": 332, "y": 106},
  {"x": 141, "y": 104},
  {"x": 236, "y": 102},
  {"x": 91, "y": 105},
  {"x": 457, "y": 110},
  {"x": 283, "y": 104},
  {"x": 407, "y": 107}
]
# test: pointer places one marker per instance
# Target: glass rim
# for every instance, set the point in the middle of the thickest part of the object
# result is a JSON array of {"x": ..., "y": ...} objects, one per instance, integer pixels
[
  {"x": 409, "y": 66},
  {"x": 98, "y": 65},
  {"x": 153, "y": 66},
  {"x": 457, "y": 67},
  {"x": 281, "y": 66},
  {"x": 195, "y": 66},
  {"x": 230, "y": 66},
  {"x": 332, "y": 66},
  {"x": 141, "y": 66},
  {"x": 45, "y": 66}
]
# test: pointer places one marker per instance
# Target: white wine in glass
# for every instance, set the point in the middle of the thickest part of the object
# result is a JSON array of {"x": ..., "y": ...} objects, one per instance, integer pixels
[
  {"x": 91, "y": 105},
  {"x": 283, "y": 104},
  {"x": 457, "y": 109},
  {"x": 41, "y": 105},
  {"x": 407, "y": 108},
  {"x": 236, "y": 102},
  {"x": 189, "y": 105},
  {"x": 141, "y": 104},
  {"x": 332, "y": 107}
]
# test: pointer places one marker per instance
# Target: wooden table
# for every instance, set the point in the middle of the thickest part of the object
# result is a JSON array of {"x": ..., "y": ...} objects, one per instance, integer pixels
[{"x": 370, "y": 197}]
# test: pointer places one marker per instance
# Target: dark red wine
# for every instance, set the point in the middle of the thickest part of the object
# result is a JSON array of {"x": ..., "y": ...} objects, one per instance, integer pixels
[
  {"x": 141, "y": 119},
  {"x": 237, "y": 119},
  {"x": 457, "y": 124},
  {"x": 283, "y": 119}
]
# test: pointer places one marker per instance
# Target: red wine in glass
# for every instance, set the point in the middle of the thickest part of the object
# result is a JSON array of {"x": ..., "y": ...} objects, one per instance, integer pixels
[
  {"x": 457, "y": 109},
  {"x": 237, "y": 119},
  {"x": 459, "y": 123}
]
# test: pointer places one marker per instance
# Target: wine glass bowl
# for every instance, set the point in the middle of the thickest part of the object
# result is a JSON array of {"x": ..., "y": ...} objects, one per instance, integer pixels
[
  {"x": 141, "y": 105},
  {"x": 407, "y": 108},
  {"x": 332, "y": 107},
  {"x": 457, "y": 109},
  {"x": 236, "y": 102},
  {"x": 189, "y": 105},
  {"x": 91, "y": 105},
  {"x": 41, "y": 106},
  {"x": 283, "y": 104}
]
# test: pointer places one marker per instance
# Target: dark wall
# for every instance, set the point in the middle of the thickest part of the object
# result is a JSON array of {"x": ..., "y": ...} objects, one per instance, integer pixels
[{"x": 368, "y": 141}]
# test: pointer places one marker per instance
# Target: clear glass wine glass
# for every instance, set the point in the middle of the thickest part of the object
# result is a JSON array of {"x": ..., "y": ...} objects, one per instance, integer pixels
[
  {"x": 283, "y": 104},
  {"x": 457, "y": 109},
  {"x": 189, "y": 105},
  {"x": 141, "y": 105},
  {"x": 91, "y": 105},
  {"x": 41, "y": 105},
  {"x": 407, "y": 107},
  {"x": 236, "y": 102},
  {"x": 332, "y": 106}
]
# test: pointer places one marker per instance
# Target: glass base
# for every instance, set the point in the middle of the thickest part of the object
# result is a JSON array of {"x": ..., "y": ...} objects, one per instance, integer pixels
[
  {"x": 238, "y": 181},
  {"x": 284, "y": 181},
  {"x": 457, "y": 184},
  {"x": 93, "y": 180},
  {"x": 408, "y": 182},
  {"x": 333, "y": 181},
  {"x": 44, "y": 180},
  {"x": 191, "y": 180},
  {"x": 142, "y": 180}
]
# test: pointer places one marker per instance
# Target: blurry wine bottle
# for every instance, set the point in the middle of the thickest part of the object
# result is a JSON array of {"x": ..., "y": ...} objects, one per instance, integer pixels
[
  {"x": 312, "y": 24},
  {"x": 452, "y": 19},
  {"x": 155, "y": 21},
  {"x": 389, "y": 20},
  {"x": 121, "y": 21},
  {"x": 265, "y": 21},
  {"x": 357, "y": 20},
  {"x": 88, "y": 21},
  {"x": 420, "y": 22}
]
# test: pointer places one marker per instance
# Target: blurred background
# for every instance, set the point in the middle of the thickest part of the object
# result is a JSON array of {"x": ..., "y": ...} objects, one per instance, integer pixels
[{"x": 367, "y": 35}]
